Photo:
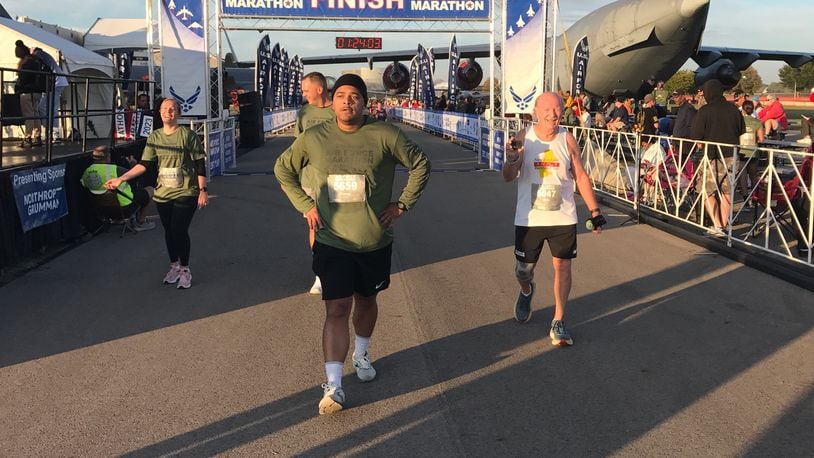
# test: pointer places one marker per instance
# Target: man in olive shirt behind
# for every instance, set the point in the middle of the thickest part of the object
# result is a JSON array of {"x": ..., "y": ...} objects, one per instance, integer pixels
[
  {"x": 316, "y": 111},
  {"x": 353, "y": 162}
]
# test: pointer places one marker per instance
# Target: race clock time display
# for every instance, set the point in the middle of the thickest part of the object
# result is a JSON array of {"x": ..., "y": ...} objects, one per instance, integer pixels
[{"x": 358, "y": 42}]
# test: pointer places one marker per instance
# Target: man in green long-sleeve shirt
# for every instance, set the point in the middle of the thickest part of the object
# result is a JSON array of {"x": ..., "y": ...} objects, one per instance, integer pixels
[{"x": 352, "y": 163}]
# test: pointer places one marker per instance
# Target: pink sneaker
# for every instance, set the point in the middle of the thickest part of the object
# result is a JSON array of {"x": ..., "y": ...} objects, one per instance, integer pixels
[
  {"x": 185, "y": 278},
  {"x": 173, "y": 275}
]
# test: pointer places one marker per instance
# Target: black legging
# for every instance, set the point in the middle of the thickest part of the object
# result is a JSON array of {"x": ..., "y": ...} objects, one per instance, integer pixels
[{"x": 176, "y": 215}]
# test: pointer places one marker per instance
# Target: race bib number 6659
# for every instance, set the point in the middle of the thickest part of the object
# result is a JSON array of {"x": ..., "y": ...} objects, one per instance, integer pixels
[{"x": 346, "y": 188}]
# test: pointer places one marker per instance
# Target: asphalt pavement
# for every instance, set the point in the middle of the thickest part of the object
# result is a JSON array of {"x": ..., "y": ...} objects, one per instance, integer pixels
[{"x": 678, "y": 350}]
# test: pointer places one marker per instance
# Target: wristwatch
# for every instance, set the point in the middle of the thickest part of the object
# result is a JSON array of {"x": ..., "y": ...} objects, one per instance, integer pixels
[
  {"x": 402, "y": 206},
  {"x": 204, "y": 189}
]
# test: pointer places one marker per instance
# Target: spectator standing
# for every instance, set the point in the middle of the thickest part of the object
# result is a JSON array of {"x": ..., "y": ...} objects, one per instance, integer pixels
[
  {"x": 749, "y": 142},
  {"x": 59, "y": 84},
  {"x": 718, "y": 121},
  {"x": 648, "y": 120},
  {"x": 30, "y": 85},
  {"x": 682, "y": 128}
]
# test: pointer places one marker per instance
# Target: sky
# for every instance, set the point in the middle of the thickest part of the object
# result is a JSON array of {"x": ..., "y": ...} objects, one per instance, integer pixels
[{"x": 731, "y": 23}]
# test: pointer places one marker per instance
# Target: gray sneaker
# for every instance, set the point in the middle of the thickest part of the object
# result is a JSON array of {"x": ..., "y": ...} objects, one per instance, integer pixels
[
  {"x": 184, "y": 279},
  {"x": 559, "y": 335},
  {"x": 173, "y": 275},
  {"x": 332, "y": 399},
  {"x": 522, "y": 309},
  {"x": 145, "y": 226},
  {"x": 364, "y": 370}
]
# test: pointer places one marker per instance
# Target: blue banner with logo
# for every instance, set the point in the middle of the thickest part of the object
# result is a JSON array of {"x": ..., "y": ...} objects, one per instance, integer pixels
[
  {"x": 522, "y": 54},
  {"x": 40, "y": 195},
  {"x": 274, "y": 78},
  {"x": 452, "y": 75},
  {"x": 395, "y": 10},
  {"x": 261, "y": 67},
  {"x": 483, "y": 158},
  {"x": 499, "y": 149},
  {"x": 580, "y": 67},
  {"x": 229, "y": 158},
  {"x": 213, "y": 151},
  {"x": 284, "y": 75}
]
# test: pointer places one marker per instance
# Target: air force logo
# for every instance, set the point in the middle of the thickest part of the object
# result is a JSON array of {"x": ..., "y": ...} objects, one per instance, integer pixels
[
  {"x": 522, "y": 102},
  {"x": 186, "y": 103}
]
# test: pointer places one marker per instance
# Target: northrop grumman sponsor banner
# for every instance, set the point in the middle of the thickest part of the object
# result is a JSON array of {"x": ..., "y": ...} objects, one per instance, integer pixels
[
  {"x": 184, "y": 68},
  {"x": 40, "y": 195},
  {"x": 522, "y": 51},
  {"x": 457, "y": 125},
  {"x": 396, "y": 10}
]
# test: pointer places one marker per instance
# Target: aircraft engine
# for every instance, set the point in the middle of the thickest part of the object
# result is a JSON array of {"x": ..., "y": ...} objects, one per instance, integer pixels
[
  {"x": 396, "y": 78},
  {"x": 723, "y": 70},
  {"x": 469, "y": 74}
]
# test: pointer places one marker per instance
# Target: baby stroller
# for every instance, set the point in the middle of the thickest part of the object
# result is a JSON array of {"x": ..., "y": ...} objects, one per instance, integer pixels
[{"x": 666, "y": 178}]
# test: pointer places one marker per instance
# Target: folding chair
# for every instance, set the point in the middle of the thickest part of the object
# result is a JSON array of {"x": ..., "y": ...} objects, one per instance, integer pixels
[
  {"x": 777, "y": 207},
  {"x": 110, "y": 211}
]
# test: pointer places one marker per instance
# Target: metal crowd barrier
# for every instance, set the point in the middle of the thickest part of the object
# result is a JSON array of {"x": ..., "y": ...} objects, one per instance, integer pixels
[
  {"x": 769, "y": 191},
  {"x": 85, "y": 114}
]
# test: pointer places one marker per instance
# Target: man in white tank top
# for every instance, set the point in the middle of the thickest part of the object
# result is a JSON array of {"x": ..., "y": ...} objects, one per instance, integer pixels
[{"x": 547, "y": 167}]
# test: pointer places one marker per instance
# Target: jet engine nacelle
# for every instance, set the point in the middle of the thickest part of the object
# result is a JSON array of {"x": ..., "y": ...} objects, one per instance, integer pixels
[
  {"x": 396, "y": 78},
  {"x": 469, "y": 74},
  {"x": 723, "y": 70}
]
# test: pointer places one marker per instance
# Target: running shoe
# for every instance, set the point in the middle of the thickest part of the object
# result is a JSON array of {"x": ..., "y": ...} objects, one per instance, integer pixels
[
  {"x": 522, "y": 309},
  {"x": 316, "y": 289},
  {"x": 364, "y": 370},
  {"x": 173, "y": 275},
  {"x": 805, "y": 140},
  {"x": 559, "y": 335},
  {"x": 145, "y": 226},
  {"x": 716, "y": 232},
  {"x": 184, "y": 279},
  {"x": 332, "y": 399}
]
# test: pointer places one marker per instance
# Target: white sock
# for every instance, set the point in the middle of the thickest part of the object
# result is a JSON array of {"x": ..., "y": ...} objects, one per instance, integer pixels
[
  {"x": 333, "y": 370},
  {"x": 317, "y": 282},
  {"x": 361, "y": 345}
]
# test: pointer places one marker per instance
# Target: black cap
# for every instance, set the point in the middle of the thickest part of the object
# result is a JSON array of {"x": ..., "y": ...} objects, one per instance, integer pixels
[{"x": 349, "y": 79}]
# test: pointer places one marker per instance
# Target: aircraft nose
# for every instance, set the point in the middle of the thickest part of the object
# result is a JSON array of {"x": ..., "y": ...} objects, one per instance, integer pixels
[{"x": 690, "y": 8}]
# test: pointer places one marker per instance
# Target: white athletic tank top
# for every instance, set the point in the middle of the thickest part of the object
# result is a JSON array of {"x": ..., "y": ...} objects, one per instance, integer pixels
[{"x": 545, "y": 187}]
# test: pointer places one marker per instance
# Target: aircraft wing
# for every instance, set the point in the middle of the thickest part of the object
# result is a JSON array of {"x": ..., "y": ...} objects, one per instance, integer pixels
[
  {"x": 466, "y": 51},
  {"x": 743, "y": 58}
]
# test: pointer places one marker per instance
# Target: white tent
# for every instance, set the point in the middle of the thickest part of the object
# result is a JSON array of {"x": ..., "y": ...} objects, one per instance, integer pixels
[
  {"x": 111, "y": 33},
  {"x": 75, "y": 60}
]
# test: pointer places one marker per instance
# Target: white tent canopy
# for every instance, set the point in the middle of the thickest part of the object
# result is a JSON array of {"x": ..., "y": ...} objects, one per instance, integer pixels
[
  {"x": 76, "y": 61},
  {"x": 109, "y": 33},
  {"x": 76, "y": 57}
]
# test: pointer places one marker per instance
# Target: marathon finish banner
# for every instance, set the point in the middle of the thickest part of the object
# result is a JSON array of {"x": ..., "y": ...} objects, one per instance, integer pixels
[
  {"x": 391, "y": 10},
  {"x": 579, "y": 66},
  {"x": 40, "y": 195},
  {"x": 184, "y": 66},
  {"x": 261, "y": 67},
  {"x": 522, "y": 55},
  {"x": 452, "y": 75}
]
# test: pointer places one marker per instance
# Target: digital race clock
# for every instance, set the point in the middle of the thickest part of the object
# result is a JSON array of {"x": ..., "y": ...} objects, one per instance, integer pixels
[{"x": 358, "y": 42}]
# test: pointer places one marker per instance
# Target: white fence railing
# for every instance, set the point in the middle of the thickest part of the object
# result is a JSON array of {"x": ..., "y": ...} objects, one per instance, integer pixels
[{"x": 761, "y": 197}]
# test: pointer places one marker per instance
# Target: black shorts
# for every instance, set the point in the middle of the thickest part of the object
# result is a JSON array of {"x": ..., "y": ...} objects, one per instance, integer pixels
[
  {"x": 528, "y": 242},
  {"x": 343, "y": 273}
]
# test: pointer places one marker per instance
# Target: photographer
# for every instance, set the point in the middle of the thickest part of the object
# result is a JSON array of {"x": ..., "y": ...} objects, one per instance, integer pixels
[{"x": 545, "y": 161}]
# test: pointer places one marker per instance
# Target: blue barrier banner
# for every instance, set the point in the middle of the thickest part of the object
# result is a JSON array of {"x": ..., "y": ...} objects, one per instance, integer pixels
[
  {"x": 213, "y": 147},
  {"x": 483, "y": 158},
  {"x": 229, "y": 158},
  {"x": 40, "y": 195},
  {"x": 278, "y": 120},
  {"x": 499, "y": 141},
  {"x": 390, "y": 10}
]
